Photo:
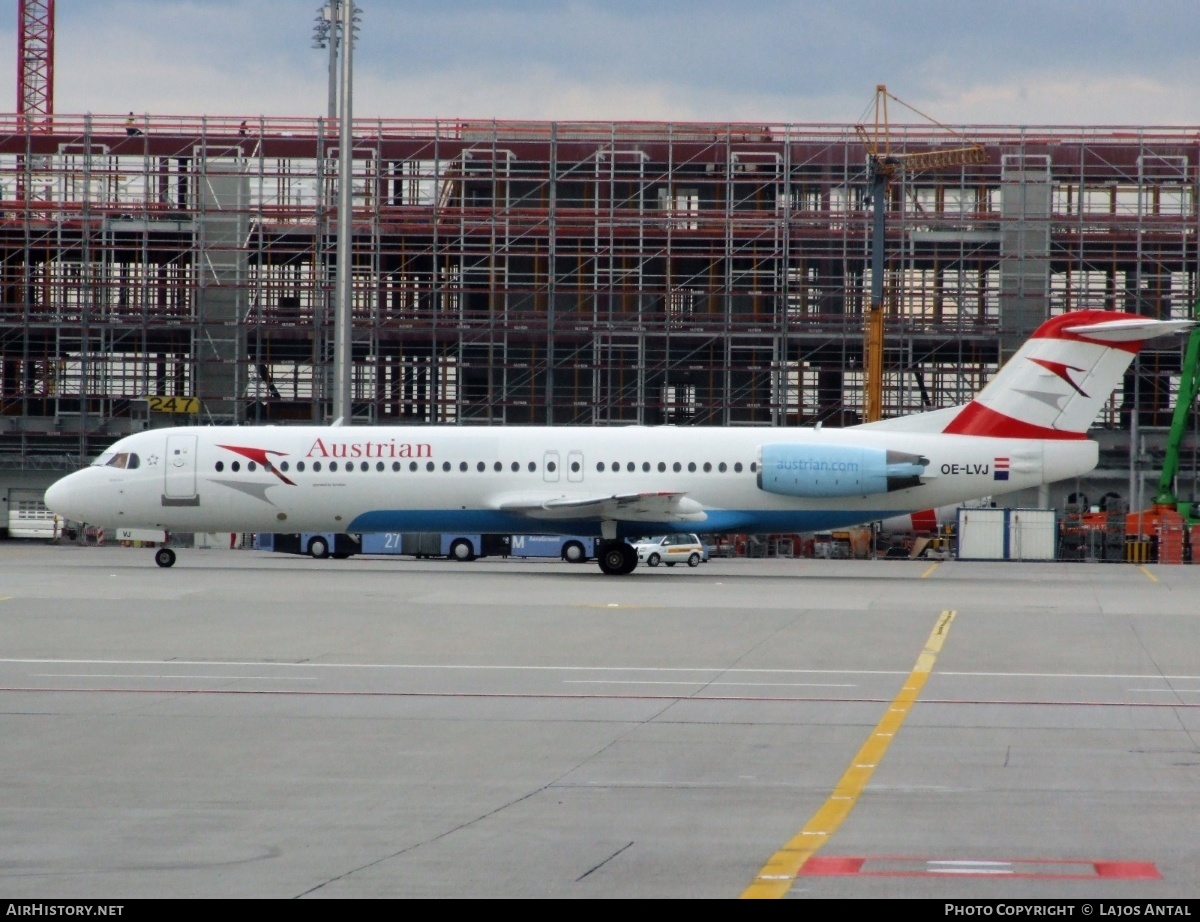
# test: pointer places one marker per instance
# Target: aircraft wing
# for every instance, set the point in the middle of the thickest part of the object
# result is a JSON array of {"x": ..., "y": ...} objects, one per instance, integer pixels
[{"x": 623, "y": 507}]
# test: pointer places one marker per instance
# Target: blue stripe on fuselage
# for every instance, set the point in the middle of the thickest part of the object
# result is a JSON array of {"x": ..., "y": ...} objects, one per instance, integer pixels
[{"x": 719, "y": 521}]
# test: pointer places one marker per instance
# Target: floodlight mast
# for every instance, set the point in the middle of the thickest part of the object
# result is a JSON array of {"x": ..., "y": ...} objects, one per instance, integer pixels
[
  {"x": 335, "y": 21},
  {"x": 326, "y": 34},
  {"x": 342, "y": 361}
]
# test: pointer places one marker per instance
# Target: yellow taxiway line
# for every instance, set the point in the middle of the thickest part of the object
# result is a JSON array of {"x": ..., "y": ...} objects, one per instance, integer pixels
[{"x": 777, "y": 875}]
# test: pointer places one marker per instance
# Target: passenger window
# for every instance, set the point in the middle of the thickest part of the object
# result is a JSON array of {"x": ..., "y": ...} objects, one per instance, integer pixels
[
  {"x": 722, "y": 467},
  {"x": 462, "y": 465},
  {"x": 737, "y": 467},
  {"x": 631, "y": 467},
  {"x": 220, "y": 465},
  {"x": 662, "y": 466},
  {"x": 676, "y": 467},
  {"x": 251, "y": 466},
  {"x": 235, "y": 467},
  {"x": 646, "y": 466},
  {"x": 600, "y": 466},
  {"x": 317, "y": 466},
  {"x": 333, "y": 465},
  {"x": 516, "y": 466}
]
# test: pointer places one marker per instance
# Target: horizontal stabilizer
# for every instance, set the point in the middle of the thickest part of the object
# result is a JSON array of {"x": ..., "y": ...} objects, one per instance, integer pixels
[{"x": 1125, "y": 331}]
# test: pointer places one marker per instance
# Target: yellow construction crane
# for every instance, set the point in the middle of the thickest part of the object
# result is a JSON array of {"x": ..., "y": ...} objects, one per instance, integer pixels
[{"x": 883, "y": 166}]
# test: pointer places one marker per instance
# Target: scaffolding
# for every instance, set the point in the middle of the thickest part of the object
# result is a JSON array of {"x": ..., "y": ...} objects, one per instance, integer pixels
[{"x": 181, "y": 270}]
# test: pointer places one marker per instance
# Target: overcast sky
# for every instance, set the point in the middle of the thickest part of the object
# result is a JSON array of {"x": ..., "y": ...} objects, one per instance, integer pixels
[{"x": 1018, "y": 62}]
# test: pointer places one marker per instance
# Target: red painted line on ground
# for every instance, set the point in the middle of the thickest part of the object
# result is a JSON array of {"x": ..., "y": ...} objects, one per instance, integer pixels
[
  {"x": 1127, "y": 870},
  {"x": 850, "y": 866},
  {"x": 818, "y": 866}
]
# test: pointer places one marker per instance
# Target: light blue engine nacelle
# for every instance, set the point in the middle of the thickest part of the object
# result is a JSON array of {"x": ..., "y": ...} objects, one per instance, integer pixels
[{"x": 819, "y": 471}]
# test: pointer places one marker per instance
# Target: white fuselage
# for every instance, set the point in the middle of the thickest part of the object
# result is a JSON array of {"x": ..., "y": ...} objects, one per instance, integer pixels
[{"x": 390, "y": 478}]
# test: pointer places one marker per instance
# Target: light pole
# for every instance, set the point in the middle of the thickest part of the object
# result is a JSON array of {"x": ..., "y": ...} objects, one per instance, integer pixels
[
  {"x": 326, "y": 34},
  {"x": 336, "y": 21},
  {"x": 342, "y": 354}
]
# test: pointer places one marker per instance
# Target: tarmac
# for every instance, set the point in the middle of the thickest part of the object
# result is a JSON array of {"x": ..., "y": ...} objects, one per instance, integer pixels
[{"x": 248, "y": 724}]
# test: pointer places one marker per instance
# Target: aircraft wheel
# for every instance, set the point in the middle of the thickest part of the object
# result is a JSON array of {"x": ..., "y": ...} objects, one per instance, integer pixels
[
  {"x": 573, "y": 552},
  {"x": 461, "y": 550},
  {"x": 318, "y": 548},
  {"x": 340, "y": 555},
  {"x": 631, "y": 558},
  {"x": 616, "y": 558},
  {"x": 694, "y": 560},
  {"x": 164, "y": 557},
  {"x": 653, "y": 560}
]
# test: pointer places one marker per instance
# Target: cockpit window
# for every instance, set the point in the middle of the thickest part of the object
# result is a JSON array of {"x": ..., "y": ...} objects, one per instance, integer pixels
[
  {"x": 123, "y": 459},
  {"x": 103, "y": 460}
]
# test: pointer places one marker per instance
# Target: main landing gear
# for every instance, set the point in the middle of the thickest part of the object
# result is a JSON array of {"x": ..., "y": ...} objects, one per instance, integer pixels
[{"x": 616, "y": 558}]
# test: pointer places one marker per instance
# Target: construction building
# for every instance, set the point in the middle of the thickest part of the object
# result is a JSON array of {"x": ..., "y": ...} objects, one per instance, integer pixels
[{"x": 177, "y": 270}]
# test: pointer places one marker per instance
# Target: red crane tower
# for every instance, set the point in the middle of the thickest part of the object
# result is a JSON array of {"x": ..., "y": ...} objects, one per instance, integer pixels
[{"x": 35, "y": 62}]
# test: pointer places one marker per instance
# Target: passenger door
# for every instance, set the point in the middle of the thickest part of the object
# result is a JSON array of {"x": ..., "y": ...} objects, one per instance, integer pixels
[{"x": 179, "y": 468}]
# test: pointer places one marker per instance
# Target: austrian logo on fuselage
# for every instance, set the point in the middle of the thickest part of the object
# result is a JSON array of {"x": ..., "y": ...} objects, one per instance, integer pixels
[{"x": 259, "y": 456}]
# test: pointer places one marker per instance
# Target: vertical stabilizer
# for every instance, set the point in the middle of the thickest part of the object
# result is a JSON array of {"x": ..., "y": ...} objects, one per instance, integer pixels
[{"x": 1055, "y": 384}]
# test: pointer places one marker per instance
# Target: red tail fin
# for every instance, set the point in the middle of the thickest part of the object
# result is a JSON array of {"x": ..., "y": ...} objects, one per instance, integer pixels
[{"x": 1055, "y": 385}]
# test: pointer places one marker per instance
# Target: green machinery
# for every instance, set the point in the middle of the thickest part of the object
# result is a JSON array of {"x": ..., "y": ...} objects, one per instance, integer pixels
[{"x": 1188, "y": 382}]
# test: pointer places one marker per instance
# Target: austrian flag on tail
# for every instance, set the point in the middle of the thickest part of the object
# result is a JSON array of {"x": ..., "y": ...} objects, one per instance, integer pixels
[{"x": 1000, "y": 468}]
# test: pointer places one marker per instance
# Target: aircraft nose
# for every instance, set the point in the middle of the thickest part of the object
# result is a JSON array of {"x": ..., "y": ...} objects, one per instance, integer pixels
[{"x": 59, "y": 497}]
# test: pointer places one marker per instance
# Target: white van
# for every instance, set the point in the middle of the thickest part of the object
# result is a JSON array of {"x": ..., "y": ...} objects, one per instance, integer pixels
[{"x": 670, "y": 549}]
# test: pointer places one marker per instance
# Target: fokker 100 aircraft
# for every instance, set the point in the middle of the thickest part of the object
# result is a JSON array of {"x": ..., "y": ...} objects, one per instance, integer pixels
[{"x": 1027, "y": 427}]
